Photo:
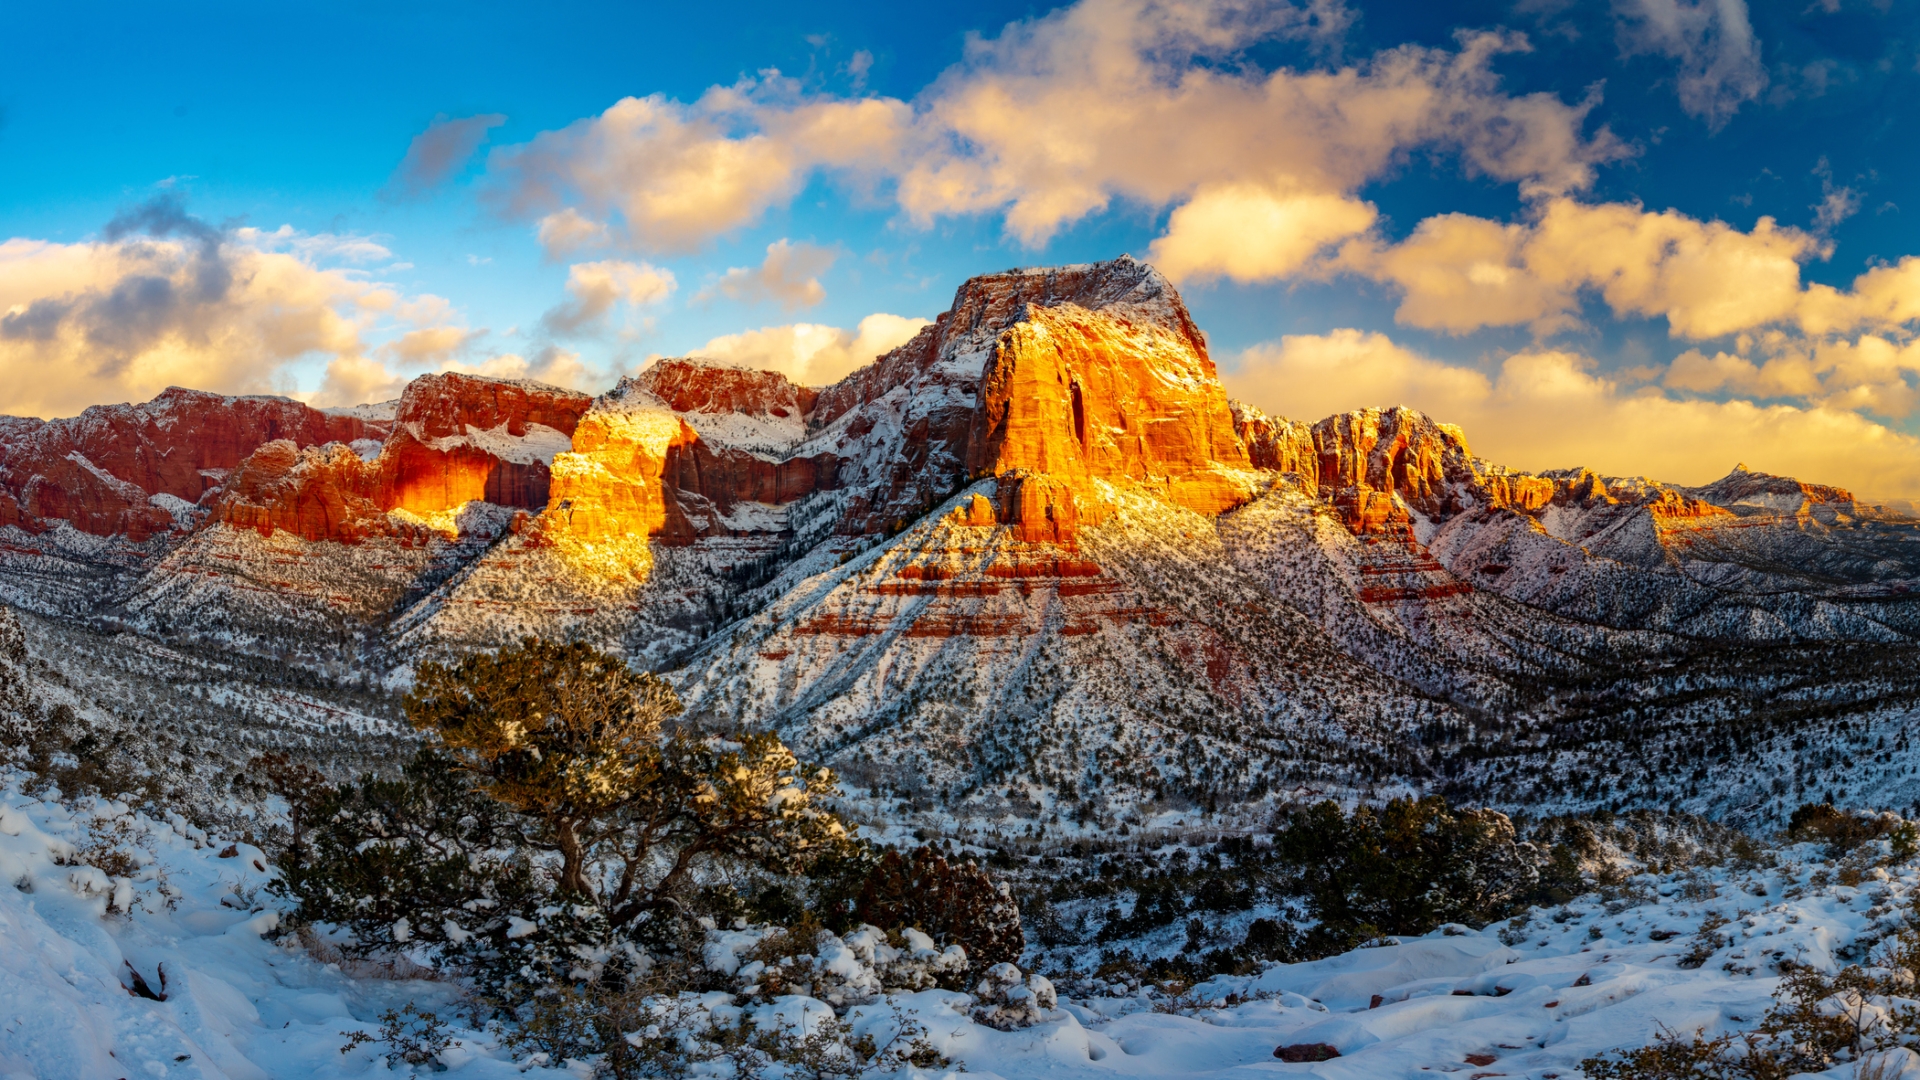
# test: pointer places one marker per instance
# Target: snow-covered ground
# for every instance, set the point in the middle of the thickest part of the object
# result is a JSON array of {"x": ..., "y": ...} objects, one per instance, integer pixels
[{"x": 103, "y": 901}]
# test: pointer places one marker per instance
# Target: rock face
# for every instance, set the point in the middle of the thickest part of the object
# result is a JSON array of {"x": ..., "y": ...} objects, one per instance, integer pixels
[
  {"x": 455, "y": 439},
  {"x": 1078, "y": 396},
  {"x": 462, "y": 438},
  {"x": 1033, "y": 558},
  {"x": 102, "y": 470}
]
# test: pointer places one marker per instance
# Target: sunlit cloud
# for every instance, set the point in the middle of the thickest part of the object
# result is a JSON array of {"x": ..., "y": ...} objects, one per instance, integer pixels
[
  {"x": 1056, "y": 119},
  {"x": 595, "y": 287},
  {"x": 811, "y": 354},
  {"x": 165, "y": 299},
  {"x": 789, "y": 276},
  {"x": 1543, "y": 409}
]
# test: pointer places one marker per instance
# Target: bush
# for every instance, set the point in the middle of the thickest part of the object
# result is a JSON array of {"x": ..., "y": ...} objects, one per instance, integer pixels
[
  {"x": 953, "y": 904},
  {"x": 564, "y": 852},
  {"x": 1839, "y": 830},
  {"x": 1404, "y": 868}
]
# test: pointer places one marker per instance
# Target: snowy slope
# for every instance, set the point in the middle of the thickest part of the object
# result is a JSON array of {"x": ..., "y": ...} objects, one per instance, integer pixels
[{"x": 1527, "y": 999}]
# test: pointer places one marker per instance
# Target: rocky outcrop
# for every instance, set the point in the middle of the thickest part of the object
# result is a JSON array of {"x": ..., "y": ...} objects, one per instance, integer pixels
[
  {"x": 744, "y": 426},
  {"x": 463, "y": 438},
  {"x": 608, "y": 487},
  {"x": 455, "y": 439},
  {"x": 1748, "y": 490},
  {"x": 1079, "y": 396},
  {"x": 102, "y": 470},
  {"x": 316, "y": 493},
  {"x": 908, "y": 430},
  {"x": 1277, "y": 444}
]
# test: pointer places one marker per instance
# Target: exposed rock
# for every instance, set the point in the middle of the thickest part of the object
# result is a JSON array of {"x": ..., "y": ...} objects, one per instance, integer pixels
[
  {"x": 102, "y": 469},
  {"x": 316, "y": 493},
  {"x": 1745, "y": 489},
  {"x": 1079, "y": 396},
  {"x": 903, "y": 428},
  {"x": 463, "y": 438},
  {"x": 456, "y": 439},
  {"x": 1277, "y": 444}
]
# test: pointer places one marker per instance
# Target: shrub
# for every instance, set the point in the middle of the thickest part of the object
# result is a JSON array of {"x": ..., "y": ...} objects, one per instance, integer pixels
[
  {"x": 955, "y": 904},
  {"x": 1839, "y": 830},
  {"x": 1404, "y": 868}
]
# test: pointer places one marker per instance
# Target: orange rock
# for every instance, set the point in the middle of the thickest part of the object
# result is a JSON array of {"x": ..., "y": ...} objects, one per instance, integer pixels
[
  {"x": 316, "y": 493},
  {"x": 609, "y": 486},
  {"x": 1077, "y": 396}
]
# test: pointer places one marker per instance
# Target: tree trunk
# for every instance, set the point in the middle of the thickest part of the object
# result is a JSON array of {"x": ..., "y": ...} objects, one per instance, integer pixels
[{"x": 573, "y": 860}]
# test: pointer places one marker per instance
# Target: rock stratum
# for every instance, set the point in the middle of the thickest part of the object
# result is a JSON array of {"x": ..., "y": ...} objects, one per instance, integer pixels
[{"x": 1033, "y": 563}]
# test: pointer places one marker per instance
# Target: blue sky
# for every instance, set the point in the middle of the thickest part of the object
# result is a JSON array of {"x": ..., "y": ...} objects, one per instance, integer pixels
[{"x": 1540, "y": 220}]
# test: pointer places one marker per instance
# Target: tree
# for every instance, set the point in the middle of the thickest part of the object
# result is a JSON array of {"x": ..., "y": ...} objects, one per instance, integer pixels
[
  {"x": 573, "y": 739},
  {"x": 564, "y": 734}
]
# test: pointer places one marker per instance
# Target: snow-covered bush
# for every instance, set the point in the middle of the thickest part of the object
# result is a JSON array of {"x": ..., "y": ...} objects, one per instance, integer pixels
[
  {"x": 1006, "y": 1000},
  {"x": 958, "y": 903},
  {"x": 770, "y": 962}
]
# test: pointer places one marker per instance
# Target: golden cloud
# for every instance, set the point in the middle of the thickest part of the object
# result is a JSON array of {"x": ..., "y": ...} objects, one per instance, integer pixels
[
  {"x": 811, "y": 354},
  {"x": 1058, "y": 117},
  {"x": 1550, "y": 409},
  {"x": 124, "y": 319}
]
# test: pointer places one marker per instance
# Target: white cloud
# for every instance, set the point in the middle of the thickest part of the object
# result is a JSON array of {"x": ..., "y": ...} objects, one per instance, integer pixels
[
  {"x": 566, "y": 231},
  {"x": 811, "y": 354},
  {"x": 675, "y": 175},
  {"x": 1550, "y": 409},
  {"x": 597, "y": 286},
  {"x": 789, "y": 275},
  {"x": 1255, "y": 232},
  {"x": 1058, "y": 117},
  {"x": 1712, "y": 41},
  {"x": 1707, "y": 279}
]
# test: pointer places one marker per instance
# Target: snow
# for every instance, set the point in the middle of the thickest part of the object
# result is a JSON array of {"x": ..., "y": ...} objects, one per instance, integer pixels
[
  {"x": 1537, "y": 994},
  {"x": 376, "y": 410},
  {"x": 539, "y": 443}
]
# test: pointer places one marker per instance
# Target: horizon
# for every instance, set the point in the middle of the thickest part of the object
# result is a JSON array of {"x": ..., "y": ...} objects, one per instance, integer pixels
[{"x": 1647, "y": 240}]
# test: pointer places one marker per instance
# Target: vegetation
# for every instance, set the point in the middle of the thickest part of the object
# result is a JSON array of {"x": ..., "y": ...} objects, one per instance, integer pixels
[
  {"x": 1817, "y": 1021},
  {"x": 564, "y": 846}
]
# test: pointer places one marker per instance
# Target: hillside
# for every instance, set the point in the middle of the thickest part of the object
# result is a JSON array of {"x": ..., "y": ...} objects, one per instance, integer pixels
[{"x": 1032, "y": 567}]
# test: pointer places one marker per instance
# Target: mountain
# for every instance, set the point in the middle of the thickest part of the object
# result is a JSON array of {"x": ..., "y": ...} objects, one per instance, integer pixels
[{"x": 1033, "y": 566}]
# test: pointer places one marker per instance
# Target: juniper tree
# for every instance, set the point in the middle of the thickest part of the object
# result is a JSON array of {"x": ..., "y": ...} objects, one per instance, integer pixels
[
  {"x": 564, "y": 734},
  {"x": 576, "y": 741}
]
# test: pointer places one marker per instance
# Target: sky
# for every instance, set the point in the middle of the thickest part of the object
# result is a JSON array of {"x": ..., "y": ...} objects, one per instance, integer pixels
[{"x": 1647, "y": 237}]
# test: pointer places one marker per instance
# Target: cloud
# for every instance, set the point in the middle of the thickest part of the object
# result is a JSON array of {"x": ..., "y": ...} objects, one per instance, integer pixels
[
  {"x": 165, "y": 299},
  {"x": 790, "y": 275},
  {"x": 347, "y": 247},
  {"x": 1458, "y": 273},
  {"x": 437, "y": 153},
  {"x": 1151, "y": 103},
  {"x": 566, "y": 231},
  {"x": 675, "y": 175},
  {"x": 1549, "y": 409},
  {"x": 1255, "y": 232},
  {"x": 1058, "y": 117},
  {"x": 1714, "y": 44},
  {"x": 811, "y": 354},
  {"x": 597, "y": 286},
  {"x": 429, "y": 345}
]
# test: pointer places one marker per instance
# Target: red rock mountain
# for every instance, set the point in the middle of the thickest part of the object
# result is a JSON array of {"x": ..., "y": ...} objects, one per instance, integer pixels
[
  {"x": 1038, "y": 532},
  {"x": 101, "y": 471}
]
